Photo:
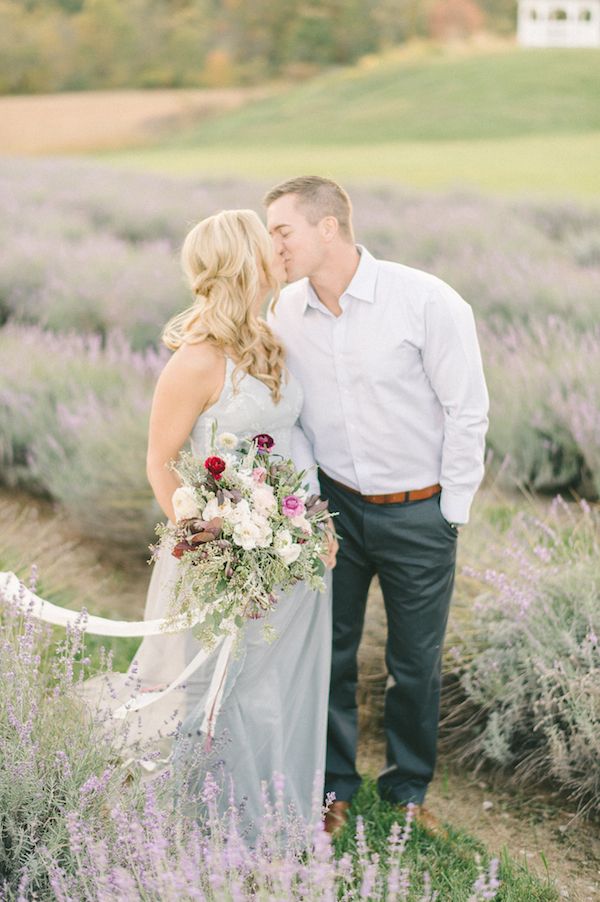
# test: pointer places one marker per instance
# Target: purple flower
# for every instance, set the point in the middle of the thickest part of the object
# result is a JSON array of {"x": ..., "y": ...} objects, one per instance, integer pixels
[
  {"x": 292, "y": 506},
  {"x": 263, "y": 441}
]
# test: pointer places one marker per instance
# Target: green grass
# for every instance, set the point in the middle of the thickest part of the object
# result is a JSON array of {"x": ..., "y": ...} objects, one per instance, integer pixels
[
  {"x": 510, "y": 121},
  {"x": 439, "y": 97},
  {"x": 450, "y": 860},
  {"x": 553, "y": 165}
]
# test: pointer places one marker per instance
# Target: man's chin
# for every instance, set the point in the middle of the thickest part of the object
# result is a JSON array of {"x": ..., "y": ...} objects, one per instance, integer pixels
[{"x": 291, "y": 276}]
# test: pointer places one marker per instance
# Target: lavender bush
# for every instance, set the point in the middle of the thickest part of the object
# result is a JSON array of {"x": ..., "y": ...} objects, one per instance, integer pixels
[
  {"x": 73, "y": 424},
  {"x": 75, "y": 823},
  {"x": 52, "y": 758},
  {"x": 544, "y": 386},
  {"x": 531, "y": 669},
  {"x": 89, "y": 247}
]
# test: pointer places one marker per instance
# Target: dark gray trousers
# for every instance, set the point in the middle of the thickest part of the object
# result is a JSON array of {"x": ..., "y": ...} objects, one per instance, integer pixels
[{"x": 412, "y": 549}]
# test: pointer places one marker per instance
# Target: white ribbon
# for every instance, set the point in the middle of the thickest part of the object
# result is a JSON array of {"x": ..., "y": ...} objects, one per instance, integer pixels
[{"x": 26, "y": 601}]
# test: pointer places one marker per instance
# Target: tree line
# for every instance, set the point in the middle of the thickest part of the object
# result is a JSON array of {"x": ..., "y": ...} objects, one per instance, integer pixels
[{"x": 58, "y": 45}]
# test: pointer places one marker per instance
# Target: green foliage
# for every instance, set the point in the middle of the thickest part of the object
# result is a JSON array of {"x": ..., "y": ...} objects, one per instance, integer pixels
[
  {"x": 90, "y": 44},
  {"x": 449, "y": 860}
]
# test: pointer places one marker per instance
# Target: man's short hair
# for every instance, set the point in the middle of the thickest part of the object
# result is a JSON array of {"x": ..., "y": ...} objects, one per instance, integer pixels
[{"x": 318, "y": 197}]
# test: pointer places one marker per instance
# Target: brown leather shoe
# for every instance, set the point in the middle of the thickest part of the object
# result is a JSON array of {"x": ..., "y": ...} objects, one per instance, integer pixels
[
  {"x": 428, "y": 821},
  {"x": 336, "y": 817}
]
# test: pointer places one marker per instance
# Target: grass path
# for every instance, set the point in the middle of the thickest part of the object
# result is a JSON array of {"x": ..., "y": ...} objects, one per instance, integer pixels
[{"x": 534, "y": 829}]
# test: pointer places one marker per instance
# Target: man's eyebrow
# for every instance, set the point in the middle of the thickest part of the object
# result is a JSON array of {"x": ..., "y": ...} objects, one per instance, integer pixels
[{"x": 277, "y": 228}]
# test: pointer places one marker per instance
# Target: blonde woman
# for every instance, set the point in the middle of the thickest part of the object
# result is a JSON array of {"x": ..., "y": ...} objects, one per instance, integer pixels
[{"x": 228, "y": 367}]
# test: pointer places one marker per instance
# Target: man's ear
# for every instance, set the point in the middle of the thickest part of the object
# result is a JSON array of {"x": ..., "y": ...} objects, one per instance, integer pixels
[{"x": 329, "y": 228}]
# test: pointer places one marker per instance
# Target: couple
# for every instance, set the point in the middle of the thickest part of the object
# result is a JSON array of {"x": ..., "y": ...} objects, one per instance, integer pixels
[{"x": 370, "y": 370}]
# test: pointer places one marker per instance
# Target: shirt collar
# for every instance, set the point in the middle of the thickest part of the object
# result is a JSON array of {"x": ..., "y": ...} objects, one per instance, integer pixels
[{"x": 362, "y": 284}]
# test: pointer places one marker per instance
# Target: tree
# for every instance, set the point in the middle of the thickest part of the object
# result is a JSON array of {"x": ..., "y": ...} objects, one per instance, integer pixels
[{"x": 455, "y": 19}]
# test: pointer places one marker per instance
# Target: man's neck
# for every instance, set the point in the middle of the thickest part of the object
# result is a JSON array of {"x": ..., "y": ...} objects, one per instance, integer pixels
[{"x": 331, "y": 280}]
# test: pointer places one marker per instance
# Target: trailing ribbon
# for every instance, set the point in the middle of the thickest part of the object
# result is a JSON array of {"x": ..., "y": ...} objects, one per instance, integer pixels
[{"x": 31, "y": 604}]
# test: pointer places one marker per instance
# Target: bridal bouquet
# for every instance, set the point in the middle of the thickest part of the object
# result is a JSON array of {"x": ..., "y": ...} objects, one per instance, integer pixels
[{"x": 246, "y": 530}]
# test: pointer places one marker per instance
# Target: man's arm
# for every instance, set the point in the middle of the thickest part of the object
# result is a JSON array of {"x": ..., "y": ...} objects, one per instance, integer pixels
[
  {"x": 452, "y": 361},
  {"x": 304, "y": 459}
]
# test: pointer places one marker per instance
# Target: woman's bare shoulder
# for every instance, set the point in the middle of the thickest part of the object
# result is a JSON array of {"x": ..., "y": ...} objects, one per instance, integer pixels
[{"x": 199, "y": 359}]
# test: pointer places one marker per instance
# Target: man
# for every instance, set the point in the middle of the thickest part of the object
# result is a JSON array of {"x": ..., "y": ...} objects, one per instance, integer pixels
[{"x": 396, "y": 410}]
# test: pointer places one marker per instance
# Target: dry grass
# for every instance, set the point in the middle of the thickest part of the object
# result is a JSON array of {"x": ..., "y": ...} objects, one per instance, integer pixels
[
  {"x": 71, "y": 569},
  {"x": 97, "y": 120}
]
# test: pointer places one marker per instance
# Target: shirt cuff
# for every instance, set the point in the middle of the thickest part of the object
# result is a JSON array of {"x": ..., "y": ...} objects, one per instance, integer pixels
[{"x": 455, "y": 506}]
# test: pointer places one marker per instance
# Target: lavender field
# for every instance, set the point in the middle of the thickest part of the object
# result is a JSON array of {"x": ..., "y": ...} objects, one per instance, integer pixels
[
  {"x": 91, "y": 251},
  {"x": 88, "y": 276}
]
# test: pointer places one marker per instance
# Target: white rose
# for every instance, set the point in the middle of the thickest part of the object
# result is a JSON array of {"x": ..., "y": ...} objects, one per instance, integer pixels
[
  {"x": 290, "y": 554},
  {"x": 184, "y": 503},
  {"x": 240, "y": 512},
  {"x": 246, "y": 534},
  {"x": 214, "y": 509},
  {"x": 285, "y": 547},
  {"x": 264, "y": 499},
  {"x": 265, "y": 533},
  {"x": 228, "y": 441},
  {"x": 244, "y": 478},
  {"x": 301, "y": 523}
]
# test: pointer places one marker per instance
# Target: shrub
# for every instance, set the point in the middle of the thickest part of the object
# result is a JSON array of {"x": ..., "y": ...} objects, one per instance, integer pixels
[
  {"x": 534, "y": 669},
  {"x": 73, "y": 425},
  {"x": 53, "y": 759},
  {"x": 544, "y": 384},
  {"x": 451, "y": 20},
  {"x": 91, "y": 247}
]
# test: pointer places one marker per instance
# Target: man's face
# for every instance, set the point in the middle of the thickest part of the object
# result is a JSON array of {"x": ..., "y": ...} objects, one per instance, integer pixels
[{"x": 300, "y": 245}]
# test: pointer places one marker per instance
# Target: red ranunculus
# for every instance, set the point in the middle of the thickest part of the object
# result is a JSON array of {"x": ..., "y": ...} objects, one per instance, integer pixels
[
  {"x": 215, "y": 466},
  {"x": 263, "y": 441}
]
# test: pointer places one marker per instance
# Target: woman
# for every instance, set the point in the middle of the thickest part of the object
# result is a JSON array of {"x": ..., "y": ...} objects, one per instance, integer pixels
[{"x": 228, "y": 369}]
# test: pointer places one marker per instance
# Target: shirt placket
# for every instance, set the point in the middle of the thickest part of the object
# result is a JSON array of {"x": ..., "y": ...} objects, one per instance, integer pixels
[{"x": 343, "y": 380}]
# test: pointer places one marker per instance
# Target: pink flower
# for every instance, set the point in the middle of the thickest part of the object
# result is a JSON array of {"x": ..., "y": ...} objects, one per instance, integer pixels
[
  {"x": 259, "y": 474},
  {"x": 292, "y": 506}
]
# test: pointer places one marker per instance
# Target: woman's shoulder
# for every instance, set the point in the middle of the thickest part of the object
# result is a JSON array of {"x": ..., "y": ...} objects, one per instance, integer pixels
[{"x": 198, "y": 358}]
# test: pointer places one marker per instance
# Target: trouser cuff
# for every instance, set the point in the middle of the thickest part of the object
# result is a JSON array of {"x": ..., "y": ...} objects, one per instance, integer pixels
[
  {"x": 401, "y": 794},
  {"x": 343, "y": 787}
]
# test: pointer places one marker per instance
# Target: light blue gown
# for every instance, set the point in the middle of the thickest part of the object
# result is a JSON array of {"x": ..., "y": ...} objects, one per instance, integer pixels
[{"x": 273, "y": 715}]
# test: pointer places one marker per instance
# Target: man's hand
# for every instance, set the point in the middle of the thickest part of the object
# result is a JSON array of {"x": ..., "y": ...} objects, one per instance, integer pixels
[{"x": 332, "y": 546}]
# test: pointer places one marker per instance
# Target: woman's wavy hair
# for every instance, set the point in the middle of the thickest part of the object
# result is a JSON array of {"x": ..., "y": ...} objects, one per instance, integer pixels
[{"x": 225, "y": 258}]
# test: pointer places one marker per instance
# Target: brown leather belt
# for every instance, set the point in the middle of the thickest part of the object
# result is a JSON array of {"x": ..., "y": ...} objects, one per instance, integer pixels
[{"x": 394, "y": 497}]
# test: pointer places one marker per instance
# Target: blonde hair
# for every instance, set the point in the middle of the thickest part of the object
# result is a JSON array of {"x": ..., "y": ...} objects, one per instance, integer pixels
[
  {"x": 225, "y": 257},
  {"x": 318, "y": 197}
]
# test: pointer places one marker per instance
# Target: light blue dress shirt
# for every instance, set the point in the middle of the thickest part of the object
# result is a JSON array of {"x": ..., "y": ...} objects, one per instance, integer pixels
[{"x": 394, "y": 391}]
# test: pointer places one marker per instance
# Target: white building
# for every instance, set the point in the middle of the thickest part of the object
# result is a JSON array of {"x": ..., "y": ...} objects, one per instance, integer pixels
[{"x": 559, "y": 23}]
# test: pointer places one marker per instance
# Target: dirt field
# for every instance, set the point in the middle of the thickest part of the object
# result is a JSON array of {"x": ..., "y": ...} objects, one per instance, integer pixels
[{"x": 96, "y": 120}]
